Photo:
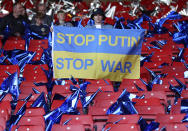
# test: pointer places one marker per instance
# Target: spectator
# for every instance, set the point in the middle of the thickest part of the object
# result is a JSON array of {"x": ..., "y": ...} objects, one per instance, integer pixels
[
  {"x": 40, "y": 30},
  {"x": 24, "y": 15},
  {"x": 14, "y": 21},
  {"x": 98, "y": 16},
  {"x": 61, "y": 19},
  {"x": 41, "y": 8}
]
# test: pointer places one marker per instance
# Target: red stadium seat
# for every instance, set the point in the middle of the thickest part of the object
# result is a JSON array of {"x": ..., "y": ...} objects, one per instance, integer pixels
[
  {"x": 161, "y": 58},
  {"x": 147, "y": 102},
  {"x": 123, "y": 119},
  {"x": 4, "y": 113},
  {"x": 174, "y": 127},
  {"x": 154, "y": 94},
  {"x": 5, "y": 109},
  {"x": 122, "y": 127},
  {"x": 165, "y": 87},
  {"x": 98, "y": 112},
  {"x": 33, "y": 97},
  {"x": 38, "y": 111},
  {"x": 128, "y": 84},
  {"x": 99, "y": 82},
  {"x": 57, "y": 127},
  {"x": 153, "y": 66},
  {"x": 150, "y": 112},
  {"x": 61, "y": 89},
  {"x": 38, "y": 44},
  {"x": 34, "y": 67},
  {"x": 171, "y": 122},
  {"x": 32, "y": 121},
  {"x": 85, "y": 120},
  {"x": 8, "y": 68},
  {"x": 39, "y": 52},
  {"x": 162, "y": 87},
  {"x": 105, "y": 103},
  {"x": 56, "y": 104},
  {"x": 149, "y": 108},
  {"x": 174, "y": 71},
  {"x": 20, "y": 104},
  {"x": 107, "y": 96},
  {"x": 179, "y": 66},
  {"x": 8, "y": 97},
  {"x": 175, "y": 109},
  {"x": 175, "y": 47},
  {"x": 145, "y": 49},
  {"x": 93, "y": 88},
  {"x": 184, "y": 94},
  {"x": 14, "y": 44},
  {"x": 26, "y": 88},
  {"x": 34, "y": 73},
  {"x": 28, "y": 128},
  {"x": 104, "y": 85},
  {"x": 168, "y": 118}
]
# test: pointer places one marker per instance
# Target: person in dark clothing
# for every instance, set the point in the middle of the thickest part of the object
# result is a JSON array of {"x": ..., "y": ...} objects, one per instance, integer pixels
[
  {"x": 61, "y": 19},
  {"x": 39, "y": 30},
  {"x": 24, "y": 15},
  {"x": 99, "y": 16},
  {"x": 41, "y": 8},
  {"x": 14, "y": 21}
]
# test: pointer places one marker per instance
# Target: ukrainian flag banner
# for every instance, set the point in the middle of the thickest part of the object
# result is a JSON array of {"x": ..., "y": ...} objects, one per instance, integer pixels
[{"x": 96, "y": 53}]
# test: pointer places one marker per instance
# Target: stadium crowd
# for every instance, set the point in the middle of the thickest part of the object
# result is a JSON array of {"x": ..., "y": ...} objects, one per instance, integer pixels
[{"x": 31, "y": 99}]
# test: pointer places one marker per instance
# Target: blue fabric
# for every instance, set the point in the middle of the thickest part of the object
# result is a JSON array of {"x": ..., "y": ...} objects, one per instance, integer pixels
[
  {"x": 182, "y": 35},
  {"x": 11, "y": 85},
  {"x": 123, "y": 105},
  {"x": 184, "y": 106},
  {"x": 119, "y": 23},
  {"x": 144, "y": 126},
  {"x": 41, "y": 102}
]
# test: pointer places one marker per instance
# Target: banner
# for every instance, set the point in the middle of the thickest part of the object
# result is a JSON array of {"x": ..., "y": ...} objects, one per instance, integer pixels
[{"x": 96, "y": 53}]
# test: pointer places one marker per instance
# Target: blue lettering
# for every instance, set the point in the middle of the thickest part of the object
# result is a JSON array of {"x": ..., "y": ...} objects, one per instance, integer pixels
[
  {"x": 60, "y": 65},
  {"x": 81, "y": 64},
  {"x": 127, "y": 66},
  {"x": 88, "y": 62},
  {"x": 119, "y": 67},
  {"x": 107, "y": 64},
  {"x": 68, "y": 62}
]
